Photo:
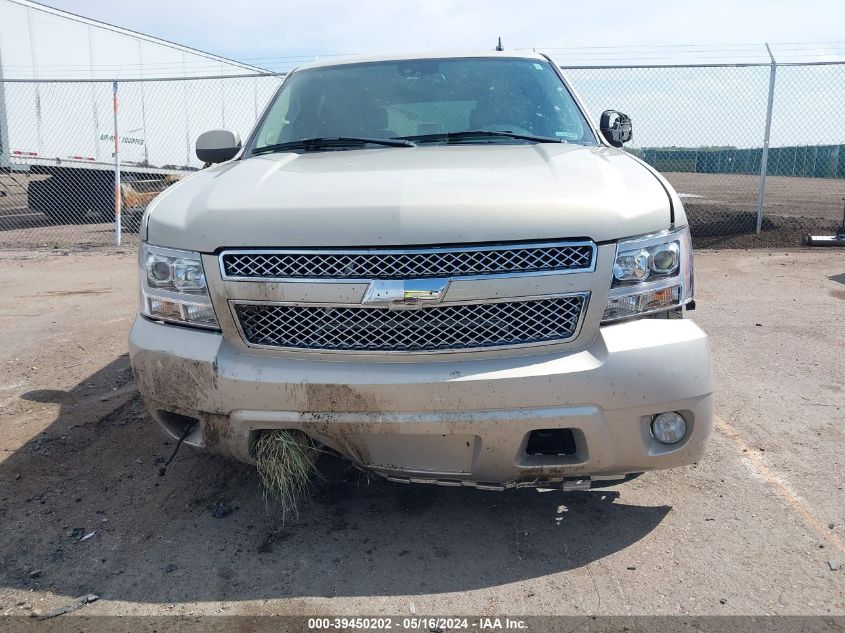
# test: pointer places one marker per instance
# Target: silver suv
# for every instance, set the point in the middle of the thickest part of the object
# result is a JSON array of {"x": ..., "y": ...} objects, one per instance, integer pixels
[{"x": 437, "y": 266}]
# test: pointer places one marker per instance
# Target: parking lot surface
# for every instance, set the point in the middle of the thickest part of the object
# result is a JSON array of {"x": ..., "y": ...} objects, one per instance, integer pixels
[{"x": 758, "y": 527}]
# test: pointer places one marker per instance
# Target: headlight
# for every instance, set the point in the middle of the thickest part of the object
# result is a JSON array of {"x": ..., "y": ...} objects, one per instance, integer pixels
[
  {"x": 650, "y": 274},
  {"x": 173, "y": 287}
]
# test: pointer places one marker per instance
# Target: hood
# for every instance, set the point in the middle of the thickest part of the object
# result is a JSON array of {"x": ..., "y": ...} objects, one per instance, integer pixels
[{"x": 412, "y": 196}]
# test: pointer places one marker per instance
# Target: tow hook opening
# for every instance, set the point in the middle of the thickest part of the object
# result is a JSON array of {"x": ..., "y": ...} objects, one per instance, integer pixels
[
  {"x": 551, "y": 442},
  {"x": 177, "y": 425}
]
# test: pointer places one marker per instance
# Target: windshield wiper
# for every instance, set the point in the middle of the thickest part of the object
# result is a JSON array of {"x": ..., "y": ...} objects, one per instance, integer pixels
[
  {"x": 470, "y": 134},
  {"x": 329, "y": 142}
]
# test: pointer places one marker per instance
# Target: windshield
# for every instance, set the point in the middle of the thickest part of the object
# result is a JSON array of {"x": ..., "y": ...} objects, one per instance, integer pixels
[{"x": 428, "y": 97}]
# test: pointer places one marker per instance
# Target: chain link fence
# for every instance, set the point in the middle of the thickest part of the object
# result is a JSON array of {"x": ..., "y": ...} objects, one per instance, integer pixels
[
  {"x": 60, "y": 184},
  {"x": 704, "y": 127}
]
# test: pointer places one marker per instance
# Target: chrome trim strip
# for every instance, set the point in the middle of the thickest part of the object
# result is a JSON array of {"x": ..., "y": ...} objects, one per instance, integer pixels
[
  {"x": 491, "y": 348},
  {"x": 407, "y": 251}
]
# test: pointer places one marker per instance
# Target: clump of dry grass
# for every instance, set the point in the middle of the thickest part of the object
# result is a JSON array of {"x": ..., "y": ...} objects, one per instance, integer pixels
[{"x": 286, "y": 462}]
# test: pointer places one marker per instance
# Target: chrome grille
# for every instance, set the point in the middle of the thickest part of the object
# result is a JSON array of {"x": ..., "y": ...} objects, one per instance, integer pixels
[
  {"x": 408, "y": 264},
  {"x": 445, "y": 327}
]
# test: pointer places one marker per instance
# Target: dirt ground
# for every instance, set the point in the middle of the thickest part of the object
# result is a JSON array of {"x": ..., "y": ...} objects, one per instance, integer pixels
[
  {"x": 758, "y": 527},
  {"x": 722, "y": 209},
  {"x": 785, "y": 195}
]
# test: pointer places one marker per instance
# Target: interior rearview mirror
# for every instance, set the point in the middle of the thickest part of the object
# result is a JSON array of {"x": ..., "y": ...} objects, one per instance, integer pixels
[
  {"x": 616, "y": 127},
  {"x": 218, "y": 146}
]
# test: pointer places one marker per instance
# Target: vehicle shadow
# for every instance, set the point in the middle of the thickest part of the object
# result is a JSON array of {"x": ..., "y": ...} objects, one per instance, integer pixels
[{"x": 203, "y": 532}]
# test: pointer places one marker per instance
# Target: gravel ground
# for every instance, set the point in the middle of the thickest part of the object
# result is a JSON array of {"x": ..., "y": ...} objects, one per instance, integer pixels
[
  {"x": 756, "y": 528},
  {"x": 785, "y": 195}
]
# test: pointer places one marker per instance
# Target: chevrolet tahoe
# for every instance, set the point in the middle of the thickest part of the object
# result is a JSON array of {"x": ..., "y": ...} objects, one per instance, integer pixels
[{"x": 437, "y": 266}]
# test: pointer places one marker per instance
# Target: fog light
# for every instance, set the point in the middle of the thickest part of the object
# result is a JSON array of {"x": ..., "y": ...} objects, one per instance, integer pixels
[{"x": 669, "y": 427}]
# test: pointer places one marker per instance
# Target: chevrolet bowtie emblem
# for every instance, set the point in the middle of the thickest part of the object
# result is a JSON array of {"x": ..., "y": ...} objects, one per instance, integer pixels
[{"x": 405, "y": 293}]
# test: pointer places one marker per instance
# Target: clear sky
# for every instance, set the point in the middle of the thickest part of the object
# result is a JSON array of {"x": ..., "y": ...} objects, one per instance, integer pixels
[{"x": 277, "y": 33}]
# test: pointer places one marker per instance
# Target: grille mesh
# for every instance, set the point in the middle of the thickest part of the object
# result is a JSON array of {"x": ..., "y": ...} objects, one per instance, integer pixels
[
  {"x": 407, "y": 265},
  {"x": 447, "y": 327}
]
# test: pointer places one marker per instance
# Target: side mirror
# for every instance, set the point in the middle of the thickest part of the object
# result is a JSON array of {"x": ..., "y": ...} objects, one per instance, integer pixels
[
  {"x": 218, "y": 146},
  {"x": 616, "y": 127}
]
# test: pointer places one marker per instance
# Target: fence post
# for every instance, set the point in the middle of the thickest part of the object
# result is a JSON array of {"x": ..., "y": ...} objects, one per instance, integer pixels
[
  {"x": 117, "y": 196},
  {"x": 5, "y": 153},
  {"x": 764, "y": 161}
]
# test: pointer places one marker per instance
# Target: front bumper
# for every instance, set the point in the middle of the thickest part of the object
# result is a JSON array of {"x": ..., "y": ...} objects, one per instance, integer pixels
[{"x": 461, "y": 422}]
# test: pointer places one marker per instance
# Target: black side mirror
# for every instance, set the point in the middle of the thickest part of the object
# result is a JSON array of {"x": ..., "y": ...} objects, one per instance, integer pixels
[
  {"x": 616, "y": 127},
  {"x": 218, "y": 146}
]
